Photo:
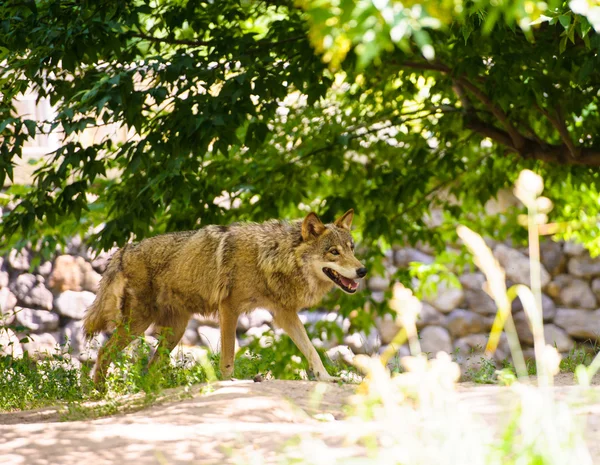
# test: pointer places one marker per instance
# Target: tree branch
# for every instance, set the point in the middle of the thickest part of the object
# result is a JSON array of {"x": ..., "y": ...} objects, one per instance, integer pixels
[
  {"x": 517, "y": 138},
  {"x": 204, "y": 43},
  {"x": 462, "y": 96},
  {"x": 489, "y": 130},
  {"x": 192, "y": 43},
  {"x": 530, "y": 148},
  {"x": 427, "y": 66},
  {"x": 559, "y": 124}
]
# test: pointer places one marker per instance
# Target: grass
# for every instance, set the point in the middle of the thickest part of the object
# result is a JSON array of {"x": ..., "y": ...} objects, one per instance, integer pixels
[
  {"x": 58, "y": 380},
  {"x": 487, "y": 371}
]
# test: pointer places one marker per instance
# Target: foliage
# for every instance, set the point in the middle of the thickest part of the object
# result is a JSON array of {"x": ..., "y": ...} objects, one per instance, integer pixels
[
  {"x": 277, "y": 356},
  {"x": 251, "y": 110},
  {"x": 27, "y": 383},
  {"x": 59, "y": 379}
]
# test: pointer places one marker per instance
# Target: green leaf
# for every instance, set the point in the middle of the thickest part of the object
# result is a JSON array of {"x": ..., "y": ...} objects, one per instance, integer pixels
[
  {"x": 563, "y": 44},
  {"x": 31, "y": 127},
  {"x": 565, "y": 20}
]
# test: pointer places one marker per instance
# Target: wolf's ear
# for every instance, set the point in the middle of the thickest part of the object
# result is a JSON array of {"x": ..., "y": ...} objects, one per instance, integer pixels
[
  {"x": 312, "y": 226},
  {"x": 345, "y": 221}
]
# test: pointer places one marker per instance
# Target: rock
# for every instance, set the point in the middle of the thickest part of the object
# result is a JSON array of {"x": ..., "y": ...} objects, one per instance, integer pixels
[
  {"x": 580, "y": 324},
  {"x": 206, "y": 320},
  {"x": 22, "y": 285},
  {"x": 7, "y": 300},
  {"x": 45, "y": 269},
  {"x": 516, "y": 265},
  {"x": 39, "y": 297},
  {"x": 501, "y": 202},
  {"x": 548, "y": 307},
  {"x": 37, "y": 321},
  {"x": 387, "y": 327},
  {"x": 341, "y": 353},
  {"x": 447, "y": 298},
  {"x": 394, "y": 364},
  {"x": 73, "y": 304},
  {"x": 435, "y": 339},
  {"x": 66, "y": 274},
  {"x": 140, "y": 347},
  {"x": 88, "y": 351},
  {"x": 596, "y": 288},
  {"x": 210, "y": 337},
  {"x": 101, "y": 260},
  {"x": 19, "y": 260},
  {"x": 523, "y": 328},
  {"x": 480, "y": 302},
  {"x": 190, "y": 337},
  {"x": 469, "y": 352},
  {"x": 574, "y": 248},
  {"x": 572, "y": 292},
  {"x": 361, "y": 343},
  {"x": 4, "y": 279},
  {"x": 433, "y": 218},
  {"x": 553, "y": 335},
  {"x": 258, "y": 317},
  {"x": 42, "y": 345},
  {"x": 473, "y": 343},
  {"x": 462, "y": 322},
  {"x": 584, "y": 266},
  {"x": 472, "y": 281},
  {"x": 73, "y": 338},
  {"x": 429, "y": 316},
  {"x": 9, "y": 343},
  {"x": 403, "y": 257},
  {"x": 378, "y": 284},
  {"x": 311, "y": 318},
  {"x": 378, "y": 297},
  {"x": 73, "y": 274},
  {"x": 558, "y": 338},
  {"x": 552, "y": 256},
  {"x": 91, "y": 279},
  {"x": 75, "y": 246},
  {"x": 30, "y": 293},
  {"x": 258, "y": 331}
]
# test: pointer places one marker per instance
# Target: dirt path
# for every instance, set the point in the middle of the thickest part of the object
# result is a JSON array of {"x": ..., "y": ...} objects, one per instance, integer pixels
[{"x": 250, "y": 418}]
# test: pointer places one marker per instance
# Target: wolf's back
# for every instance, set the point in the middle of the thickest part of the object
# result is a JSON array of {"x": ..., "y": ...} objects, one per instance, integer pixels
[{"x": 105, "y": 311}]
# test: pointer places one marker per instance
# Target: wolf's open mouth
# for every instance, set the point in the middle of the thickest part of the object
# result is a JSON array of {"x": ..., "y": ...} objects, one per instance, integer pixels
[{"x": 347, "y": 285}]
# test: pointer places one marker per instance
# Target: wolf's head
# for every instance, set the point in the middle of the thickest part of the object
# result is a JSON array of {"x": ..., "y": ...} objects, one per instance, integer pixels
[{"x": 330, "y": 251}]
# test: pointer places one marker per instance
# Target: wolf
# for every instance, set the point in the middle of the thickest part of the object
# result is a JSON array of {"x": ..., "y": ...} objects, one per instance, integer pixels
[{"x": 223, "y": 270}]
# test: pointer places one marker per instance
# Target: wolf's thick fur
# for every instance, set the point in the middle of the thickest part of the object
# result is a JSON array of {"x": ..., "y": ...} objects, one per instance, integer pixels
[{"x": 223, "y": 270}]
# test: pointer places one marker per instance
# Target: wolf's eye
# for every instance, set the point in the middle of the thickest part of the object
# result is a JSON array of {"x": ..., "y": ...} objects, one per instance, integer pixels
[{"x": 334, "y": 252}]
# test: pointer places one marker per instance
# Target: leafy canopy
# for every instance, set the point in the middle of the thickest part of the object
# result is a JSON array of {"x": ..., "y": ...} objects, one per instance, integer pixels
[{"x": 258, "y": 109}]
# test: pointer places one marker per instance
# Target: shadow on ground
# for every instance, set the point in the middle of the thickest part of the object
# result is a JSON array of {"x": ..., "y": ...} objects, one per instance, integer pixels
[{"x": 239, "y": 417}]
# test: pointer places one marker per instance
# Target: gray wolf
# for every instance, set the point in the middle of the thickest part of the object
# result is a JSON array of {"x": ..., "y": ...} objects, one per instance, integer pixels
[{"x": 227, "y": 271}]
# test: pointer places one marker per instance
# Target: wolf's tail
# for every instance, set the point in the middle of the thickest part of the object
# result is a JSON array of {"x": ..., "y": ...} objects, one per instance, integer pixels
[{"x": 103, "y": 314}]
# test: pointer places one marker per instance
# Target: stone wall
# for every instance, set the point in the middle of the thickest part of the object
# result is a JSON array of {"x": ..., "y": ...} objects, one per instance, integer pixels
[{"x": 47, "y": 303}]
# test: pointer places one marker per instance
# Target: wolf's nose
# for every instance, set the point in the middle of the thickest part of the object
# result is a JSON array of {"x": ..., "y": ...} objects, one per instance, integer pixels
[{"x": 361, "y": 272}]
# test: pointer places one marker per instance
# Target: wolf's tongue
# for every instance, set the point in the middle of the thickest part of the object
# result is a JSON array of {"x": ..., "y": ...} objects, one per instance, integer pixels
[{"x": 348, "y": 282}]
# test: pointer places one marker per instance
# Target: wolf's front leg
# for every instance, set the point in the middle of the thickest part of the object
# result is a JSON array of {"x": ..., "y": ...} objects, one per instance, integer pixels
[
  {"x": 228, "y": 324},
  {"x": 291, "y": 324}
]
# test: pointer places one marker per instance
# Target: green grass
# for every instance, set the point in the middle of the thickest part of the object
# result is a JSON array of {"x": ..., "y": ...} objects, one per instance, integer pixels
[{"x": 27, "y": 383}]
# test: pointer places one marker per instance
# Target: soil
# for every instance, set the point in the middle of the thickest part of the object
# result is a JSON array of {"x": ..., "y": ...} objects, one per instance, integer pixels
[{"x": 235, "y": 423}]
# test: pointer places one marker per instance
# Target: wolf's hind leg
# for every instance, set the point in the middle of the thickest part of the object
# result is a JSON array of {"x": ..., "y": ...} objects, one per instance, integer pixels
[
  {"x": 291, "y": 324},
  {"x": 228, "y": 319},
  {"x": 169, "y": 337},
  {"x": 119, "y": 339}
]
